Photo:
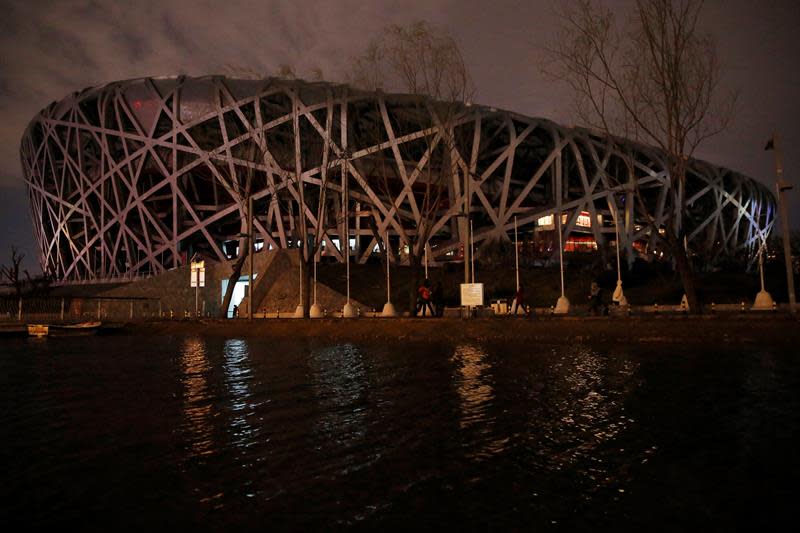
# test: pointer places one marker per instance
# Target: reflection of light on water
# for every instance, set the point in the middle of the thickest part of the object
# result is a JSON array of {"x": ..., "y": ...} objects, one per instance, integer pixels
[
  {"x": 237, "y": 375},
  {"x": 589, "y": 411},
  {"x": 474, "y": 391},
  {"x": 476, "y": 395},
  {"x": 340, "y": 382},
  {"x": 197, "y": 404}
]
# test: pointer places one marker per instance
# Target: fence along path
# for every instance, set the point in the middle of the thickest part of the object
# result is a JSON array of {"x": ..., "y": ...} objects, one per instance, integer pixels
[{"x": 71, "y": 309}]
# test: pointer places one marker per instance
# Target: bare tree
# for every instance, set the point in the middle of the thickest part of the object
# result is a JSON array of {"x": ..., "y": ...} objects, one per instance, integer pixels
[
  {"x": 316, "y": 74},
  {"x": 657, "y": 82},
  {"x": 424, "y": 61},
  {"x": 242, "y": 72},
  {"x": 11, "y": 273},
  {"x": 242, "y": 187},
  {"x": 286, "y": 71}
]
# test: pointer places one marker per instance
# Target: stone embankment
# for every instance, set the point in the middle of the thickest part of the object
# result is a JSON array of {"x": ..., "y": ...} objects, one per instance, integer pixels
[{"x": 708, "y": 329}]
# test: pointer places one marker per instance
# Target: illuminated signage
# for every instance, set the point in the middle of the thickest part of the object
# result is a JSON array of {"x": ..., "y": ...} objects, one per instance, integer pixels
[
  {"x": 472, "y": 294},
  {"x": 198, "y": 274}
]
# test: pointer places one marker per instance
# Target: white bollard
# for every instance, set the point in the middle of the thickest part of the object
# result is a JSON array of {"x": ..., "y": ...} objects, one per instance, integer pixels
[
  {"x": 388, "y": 310},
  {"x": 562, "y": 306},
  {"x": 315, "y": 311},
  {"x": 764, "y": 301}
]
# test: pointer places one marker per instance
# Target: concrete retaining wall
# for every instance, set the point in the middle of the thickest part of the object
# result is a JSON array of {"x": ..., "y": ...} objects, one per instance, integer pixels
[{"x": 278, "y": 288}]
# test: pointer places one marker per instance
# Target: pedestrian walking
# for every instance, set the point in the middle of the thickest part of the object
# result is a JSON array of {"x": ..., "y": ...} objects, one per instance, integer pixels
[
  {"x": 519, "y": 300},
  {"x": 424, "y": 297}
]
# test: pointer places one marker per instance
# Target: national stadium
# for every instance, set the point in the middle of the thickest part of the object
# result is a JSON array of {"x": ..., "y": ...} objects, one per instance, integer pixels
[{"x": 136, "y": 177}]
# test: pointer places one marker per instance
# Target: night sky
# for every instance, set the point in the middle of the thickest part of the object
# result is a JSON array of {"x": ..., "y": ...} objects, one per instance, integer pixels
[{"x": 50, "y": 49}]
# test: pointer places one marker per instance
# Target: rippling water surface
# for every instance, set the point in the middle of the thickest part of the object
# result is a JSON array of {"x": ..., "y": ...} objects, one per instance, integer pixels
[{"x": 172, "y": 432}]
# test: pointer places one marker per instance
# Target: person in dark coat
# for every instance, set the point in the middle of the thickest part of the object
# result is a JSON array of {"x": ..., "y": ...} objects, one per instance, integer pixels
[
  {"x": 596, "y": 304},
  {"x": 437, "y": 296}
]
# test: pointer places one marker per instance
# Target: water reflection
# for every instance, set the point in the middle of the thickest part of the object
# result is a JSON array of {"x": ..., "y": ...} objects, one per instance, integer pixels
[
  {"x": 586, "y": 412},
  {"x": 340, "y": 384},
  {"x": 476, "y": 395},
  {"x": 197, "y": 399},
  {"x": 238, "y": 374},
  {"x": 381, "y": 438}
]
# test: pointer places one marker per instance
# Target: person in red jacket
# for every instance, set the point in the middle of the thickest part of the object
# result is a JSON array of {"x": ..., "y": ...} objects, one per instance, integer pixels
[
  {"x": 519, "y": 300},
  {"x": 424, "y": 298}
]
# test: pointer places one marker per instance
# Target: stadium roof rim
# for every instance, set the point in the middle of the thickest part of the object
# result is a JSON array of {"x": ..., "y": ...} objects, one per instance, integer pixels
[{"x": 638, "y": 145}]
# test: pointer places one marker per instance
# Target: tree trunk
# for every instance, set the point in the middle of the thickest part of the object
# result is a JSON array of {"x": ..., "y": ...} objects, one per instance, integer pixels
[
  {"x": 381, "y": 245},
  {"x": 413, "y": 262},
  {"x": 684, "y": 268},
  {"x": 235, "y": 275},
  {"x": 308, "y": 266}
]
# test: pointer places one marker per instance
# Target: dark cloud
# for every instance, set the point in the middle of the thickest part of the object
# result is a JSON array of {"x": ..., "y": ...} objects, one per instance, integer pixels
[{"x": 51, "y": 49}]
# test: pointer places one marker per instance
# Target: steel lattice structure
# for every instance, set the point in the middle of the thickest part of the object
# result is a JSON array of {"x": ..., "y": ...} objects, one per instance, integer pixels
[{"x": 135, "y": 176}]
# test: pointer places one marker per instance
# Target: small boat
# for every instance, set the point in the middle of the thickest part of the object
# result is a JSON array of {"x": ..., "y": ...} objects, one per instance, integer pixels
[
  {"x": 83, "y": 328},
  {"x": 45, "y": 330}
]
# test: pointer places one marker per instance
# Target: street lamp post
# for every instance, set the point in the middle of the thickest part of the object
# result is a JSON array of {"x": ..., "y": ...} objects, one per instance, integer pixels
[
  {"x": 787, "y": 249},
  {"x": 388, "y": 307},
  {"x": 472, "y": 250},
  {"x": 516, "y": 251},
  {"x": 316, "y": 310},
  {"x": 618, "y": 295},
  {"x": 516, "y": 264},
  {"x": 347, "y": 310},
  {"x": 469, "y": 277},
  {"x": 250, "y": 251},
  {"x": 782, "y": 186},
  {"x": 196, "y": 274},
  {"x": 562, "y": 304},
  {"x": 467, "y": 228},
  {"x": 764, "y": 300},
  {"x": 298, "y": 312}
]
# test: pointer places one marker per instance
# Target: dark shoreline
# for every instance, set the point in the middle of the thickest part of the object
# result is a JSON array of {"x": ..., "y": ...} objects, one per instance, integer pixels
[{"x": 769, "y": 329}]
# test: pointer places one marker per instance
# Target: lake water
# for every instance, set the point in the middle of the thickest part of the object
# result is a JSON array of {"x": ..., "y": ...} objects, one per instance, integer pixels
[{"x": 124, "y": 432}]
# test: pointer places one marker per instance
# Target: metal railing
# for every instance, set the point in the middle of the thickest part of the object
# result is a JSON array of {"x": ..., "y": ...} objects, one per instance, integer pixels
[{"x": 70, "y": 309}]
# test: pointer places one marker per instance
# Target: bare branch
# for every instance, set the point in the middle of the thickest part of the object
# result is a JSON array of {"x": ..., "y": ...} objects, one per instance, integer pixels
[
  {"x": 425, "y": 62},
  {"x": 657, "y": 82}
]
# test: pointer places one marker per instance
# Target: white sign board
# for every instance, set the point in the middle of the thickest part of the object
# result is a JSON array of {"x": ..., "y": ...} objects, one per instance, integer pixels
[
  {"x": 472, "y": 294},
  {"x": 198, "y": 275}
]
